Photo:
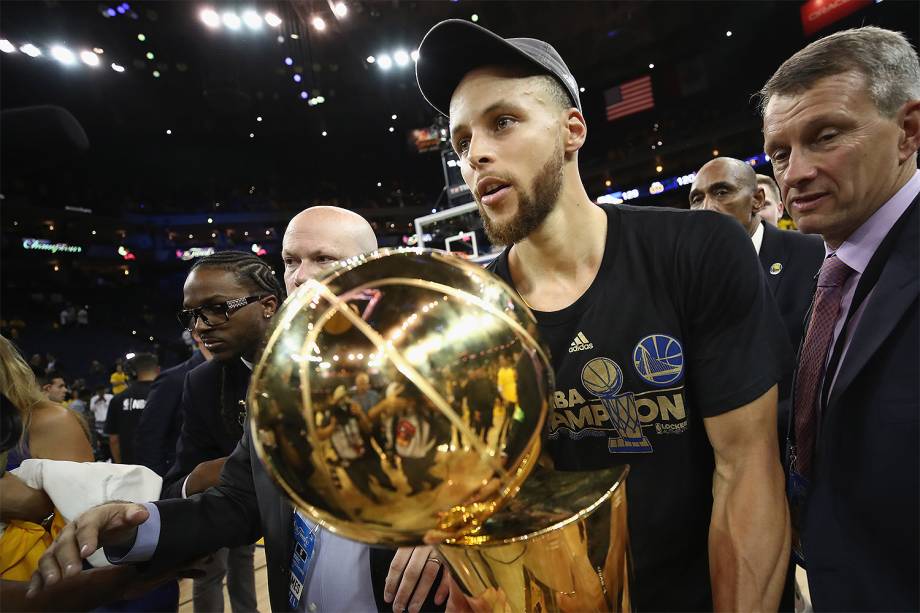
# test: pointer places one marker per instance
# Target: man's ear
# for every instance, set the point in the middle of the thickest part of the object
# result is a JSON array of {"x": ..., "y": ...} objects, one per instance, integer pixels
[
  {"x": 909, "y": 120},
  {"x": 269, "y": 306},
  {"x": 576, "y": 130},
  {"x": 759, "y": 198}
]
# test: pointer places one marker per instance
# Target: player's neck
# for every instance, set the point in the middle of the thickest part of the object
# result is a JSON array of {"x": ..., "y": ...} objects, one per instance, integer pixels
[{"x": 564, "y": 253}]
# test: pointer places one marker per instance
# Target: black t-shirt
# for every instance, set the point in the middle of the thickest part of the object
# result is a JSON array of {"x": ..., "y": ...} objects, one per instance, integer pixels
[
  {"x": 125, "y": 410},
  {"x": 678, "y": 325}
]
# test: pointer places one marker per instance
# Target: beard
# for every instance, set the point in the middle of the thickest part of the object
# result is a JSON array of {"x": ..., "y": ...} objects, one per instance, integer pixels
[{"x": 533, "y": 207}]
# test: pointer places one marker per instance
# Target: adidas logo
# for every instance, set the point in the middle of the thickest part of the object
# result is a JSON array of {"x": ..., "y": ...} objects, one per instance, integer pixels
[{"x": 580, "y": 343}]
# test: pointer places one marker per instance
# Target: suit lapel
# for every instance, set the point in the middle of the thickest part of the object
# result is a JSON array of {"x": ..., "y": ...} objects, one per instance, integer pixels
[
  {"x": 895, "y": 291},
  {"x": 772, "y": 252}
]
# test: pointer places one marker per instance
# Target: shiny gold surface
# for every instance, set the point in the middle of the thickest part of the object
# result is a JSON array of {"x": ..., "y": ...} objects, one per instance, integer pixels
[
  {"x": 439, "y": 451},
  {"x": 560, "y": 545}
]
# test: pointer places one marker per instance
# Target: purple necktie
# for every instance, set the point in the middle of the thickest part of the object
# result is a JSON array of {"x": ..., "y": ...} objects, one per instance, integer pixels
[{"x": 810, "y": 374}]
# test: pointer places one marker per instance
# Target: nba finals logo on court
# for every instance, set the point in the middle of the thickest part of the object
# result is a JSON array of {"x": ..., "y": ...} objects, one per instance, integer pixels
[
  {"x": 659, "y": 359},
  {"x": 603, "y": 378}
]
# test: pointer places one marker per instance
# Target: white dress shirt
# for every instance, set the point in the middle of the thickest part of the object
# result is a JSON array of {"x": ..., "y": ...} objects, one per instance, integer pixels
[{"x": 757, "y": 237}]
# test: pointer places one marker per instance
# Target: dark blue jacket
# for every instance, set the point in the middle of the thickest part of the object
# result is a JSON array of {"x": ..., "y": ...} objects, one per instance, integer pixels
[{"x": 158, "y": 430}]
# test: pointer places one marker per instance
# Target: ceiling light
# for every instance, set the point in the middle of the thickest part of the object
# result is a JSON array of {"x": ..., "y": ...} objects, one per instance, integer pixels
[
  {"x": 252, "y": 20},
  {"x": 89, "y": 58},
  {"x": 63, "y": 55},
  {"x": 150, "y": 55},
  {"x": 98, "y": 50},
  {"x": 385, "y": 62},
  {"x": 379, "y": 184},
  {"x": 371, "y": 59},
  {"x": 272, "y": 20},
  {"x": 581, "y": 89},
  {"x": 141, "y": 37},
  {"x": 659, "y": 168},
  {"x": 474, "y": 18},
  {"x": 156, "y": 74},
  {"x": 297, "y": 78},
  {"x": 259, "y": 118},
  {"x": 231, "y": 20},
  {"x": 31, "y": 50},
  {"x": 6, "y": 46},
  {"x": 401, "y": 57},
  {"x": 210, "y": 220},
  {"x": 319, "y": 23},
  {"x": 728, "y": 33},
  {"x": 210, "y": 18},
  {"x": 168, "y": 132},
  {"x": 340, "y": 9},
  {"x": 117, "y": 67},
  {"x": 651, "y": 66},
  {"x": 304, "y": 95},
  {"x": 295, "y": 37},
  {"x": 414, "y": 55},
  {"x": 288, "y": 61},
  {"x": 252, "y": 135},
  {"x": 393, "y": 117},
  {"x": 392, "y": 129},
  {"x": 324, "y": 133},
  {"x": 715, "y": 153}
]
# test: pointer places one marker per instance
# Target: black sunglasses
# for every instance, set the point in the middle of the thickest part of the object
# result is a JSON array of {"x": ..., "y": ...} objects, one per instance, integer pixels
[{"x": 215, "y": 314}]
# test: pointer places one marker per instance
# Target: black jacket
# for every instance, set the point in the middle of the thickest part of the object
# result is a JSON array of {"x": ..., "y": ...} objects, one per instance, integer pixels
[
  {"x": 211, "y": 426},
  {"x": 861, "y": 531},
  {"x": 158, "y": 431},
  {"x": 790, "y": 262}
]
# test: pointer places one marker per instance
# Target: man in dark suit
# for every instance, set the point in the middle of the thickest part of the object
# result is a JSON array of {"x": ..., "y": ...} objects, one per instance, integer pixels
[
  {"x": 158, "y": 430},
  {"x": 247, "y": 504},
  {"x": 789, "y": 259},
  {"x": 842, "y": 127},
  {"x": 213, "y": 409}
]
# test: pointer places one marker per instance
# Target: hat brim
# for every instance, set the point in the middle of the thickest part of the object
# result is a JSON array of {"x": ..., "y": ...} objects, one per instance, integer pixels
[{"x": 451, "y": 49}]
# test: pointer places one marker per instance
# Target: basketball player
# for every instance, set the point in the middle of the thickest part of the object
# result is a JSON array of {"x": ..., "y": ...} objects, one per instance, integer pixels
[{"x": 658, "y": 344}]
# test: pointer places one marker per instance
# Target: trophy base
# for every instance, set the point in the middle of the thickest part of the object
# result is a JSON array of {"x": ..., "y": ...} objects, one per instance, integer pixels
[{"x": 561, "y": 544}]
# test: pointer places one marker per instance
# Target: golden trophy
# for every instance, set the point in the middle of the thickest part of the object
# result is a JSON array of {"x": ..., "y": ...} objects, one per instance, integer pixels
[{"x": 437, "y": 456}]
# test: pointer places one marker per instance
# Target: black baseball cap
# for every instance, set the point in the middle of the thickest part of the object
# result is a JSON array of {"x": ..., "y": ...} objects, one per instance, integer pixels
[{"x": 454, "y": 47}]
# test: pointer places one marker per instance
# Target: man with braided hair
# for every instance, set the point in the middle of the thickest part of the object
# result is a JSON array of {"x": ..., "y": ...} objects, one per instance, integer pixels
[
  {"x": 230, "y": 298},
  {"x": 223, "y": 295}
]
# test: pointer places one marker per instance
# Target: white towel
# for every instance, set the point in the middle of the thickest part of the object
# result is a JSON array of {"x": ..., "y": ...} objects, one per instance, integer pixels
[{"x": 74, "y": 487}]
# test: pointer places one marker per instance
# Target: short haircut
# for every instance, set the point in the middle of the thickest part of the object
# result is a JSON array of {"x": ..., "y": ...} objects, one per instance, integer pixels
[
  {"x": 884, "y": 58},
  {"x": 248, "y": 268},
  {"x": 144, "y": 363},
  {"x": 558, "y": 95},
  {"x": 49, "y": 377},
  {"x": 770, "y": 184}
]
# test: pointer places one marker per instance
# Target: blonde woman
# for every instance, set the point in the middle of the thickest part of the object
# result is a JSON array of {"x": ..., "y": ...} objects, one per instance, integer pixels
[{"x": 49, "y": 430}]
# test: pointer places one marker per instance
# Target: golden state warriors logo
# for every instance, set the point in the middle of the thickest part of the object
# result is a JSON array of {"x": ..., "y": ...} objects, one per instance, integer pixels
[
  {"x": 603, "y": 378},
  {"x": 659, "y": 359}
]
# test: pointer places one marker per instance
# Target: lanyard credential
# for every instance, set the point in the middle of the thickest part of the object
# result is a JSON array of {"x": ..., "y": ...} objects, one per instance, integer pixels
[{"x": 304, "y": 547}]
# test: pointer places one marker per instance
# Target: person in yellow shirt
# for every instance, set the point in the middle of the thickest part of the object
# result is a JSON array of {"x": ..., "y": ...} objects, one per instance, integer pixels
[
  {"x": 119, "y": 379},
  {"x": 507, "y": 383}
]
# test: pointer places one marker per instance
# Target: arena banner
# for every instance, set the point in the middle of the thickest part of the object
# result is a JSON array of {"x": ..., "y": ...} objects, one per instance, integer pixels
[{"x": 818, "y": 14}]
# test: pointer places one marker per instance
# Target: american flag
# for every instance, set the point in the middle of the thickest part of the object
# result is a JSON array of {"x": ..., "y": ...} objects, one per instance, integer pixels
[{"x": 629, "y": 97}]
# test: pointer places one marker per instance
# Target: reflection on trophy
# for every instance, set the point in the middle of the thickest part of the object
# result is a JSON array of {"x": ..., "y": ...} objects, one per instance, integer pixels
[{"x": 438, "y": 454}]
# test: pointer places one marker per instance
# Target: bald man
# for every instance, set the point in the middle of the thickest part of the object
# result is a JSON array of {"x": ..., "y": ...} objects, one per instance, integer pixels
[
  {"x": 246, "y": 505},
  {"x": 772, "y": 210},
  {"x": 319, "y": 236},
  {"x": 790, "y": 260}
]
